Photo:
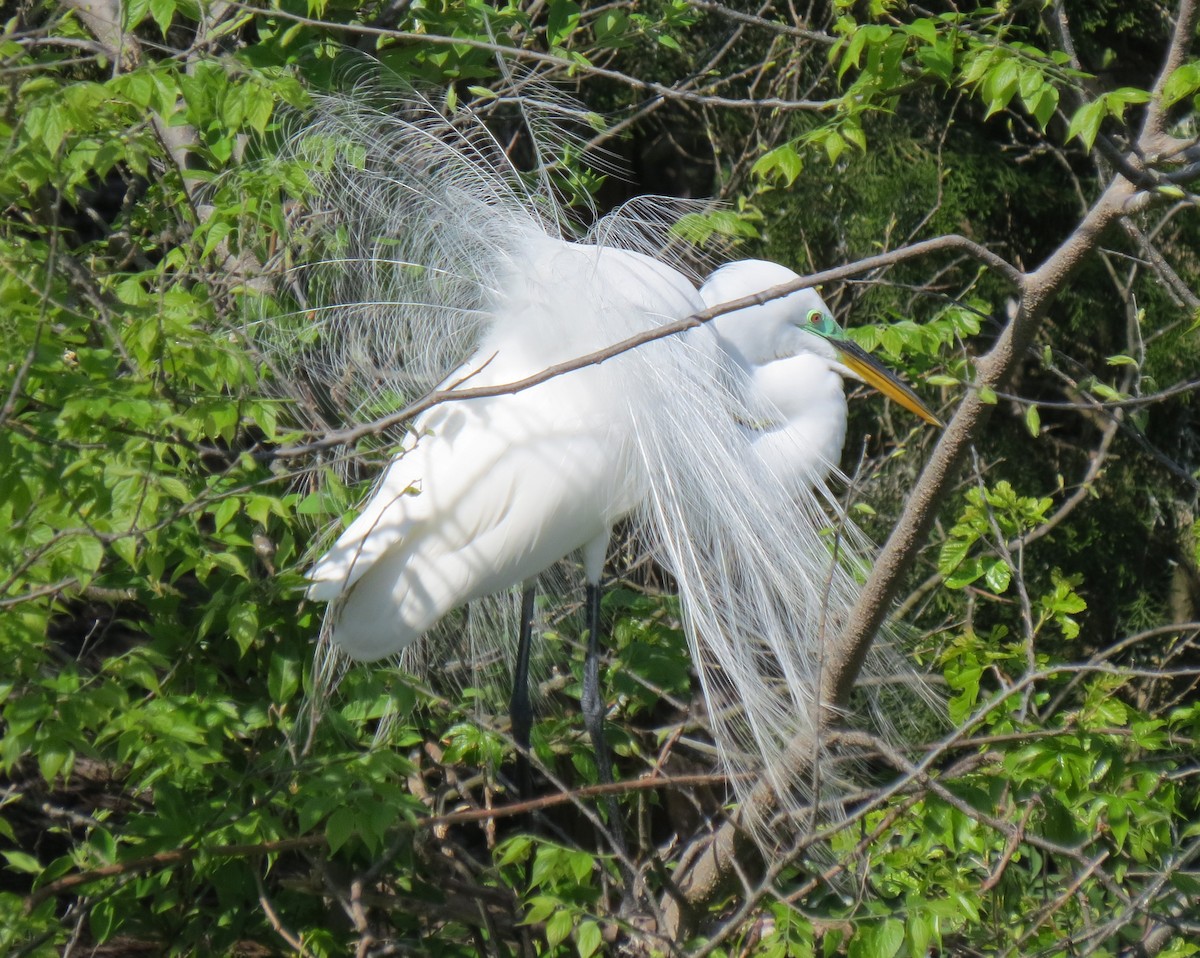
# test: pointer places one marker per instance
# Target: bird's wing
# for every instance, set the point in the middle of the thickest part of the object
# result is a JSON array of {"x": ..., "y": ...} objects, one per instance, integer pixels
[
  {"x": 396, "y": 507},
  {"x": 497, "y": 495}
]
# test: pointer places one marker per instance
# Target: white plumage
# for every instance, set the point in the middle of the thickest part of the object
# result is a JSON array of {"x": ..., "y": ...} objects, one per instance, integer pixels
[
  {"x": 450, "y": 267},
  {"x": 489, "y": 492},
  {"x": 792, "y": 377}
]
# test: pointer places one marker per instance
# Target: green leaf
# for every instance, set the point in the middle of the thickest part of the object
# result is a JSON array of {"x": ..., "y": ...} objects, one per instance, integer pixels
[
  {"x": 125, "y": 549},
  {"x": 588, "y": 939},
  {"x": 1115, "y": 101},
  {"x": 283, "y": 678},
  {"x": 558, "y": 926},
  {"x": 1030, "y": 83},
  {"x": 1182, "y": 83},
  {"x": 1085, "y": 123},
  {"x": 1033, "y": 421},
  {"x": 133, "y": 12},
  {"x": 939, "y": 59},
  {"x": 952, "y": 554},
  {"x": 163, "y": 12},
  {"x": 1000, "y": 84},
  {"x": 561, "y": 21},
  {"x": 998, "y": 575},
  {"x": 610, "y": 27},
  {"x": 23, "y": 862},
  {"x": 782, "y": 164},
  {"x": 226, "y": 509},
  {"x": 230, "y": 563},
  {"x": 1107, "y": 393},
  {"x": 922, "y": 931},
  {"x": 924, "y": 29},
  {"x": 102, "y": 920},
  {"x": 976, "y": 65},
  {"x": 340, "y": 828},
  {"x": 966, "y": 573},
  {"x": 835, "y": 145},
  {"x": 852, "y": 52},
  {"x": 882, "y": 940},
  {"x": 86, "y": 553},
  {"x": 581, "y": 865},
  {"x": 1043, "y": 104},
  {"x": 516, "y": 849},
  {"x": 53, "y": 757},
  {"x": 540, "y": 908},
  {"x": 243, "y": 626},
  {"x": 854, "y": 134}
]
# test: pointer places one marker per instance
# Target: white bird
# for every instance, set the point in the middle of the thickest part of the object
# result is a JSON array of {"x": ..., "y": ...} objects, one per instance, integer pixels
[
  {"x": 454, "y": 270},
  {"x": 490, "y": 492}
]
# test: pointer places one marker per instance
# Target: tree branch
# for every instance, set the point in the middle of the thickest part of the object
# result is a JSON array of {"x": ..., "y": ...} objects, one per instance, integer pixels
[
  {"x": 706, "y": 868},
  {"x": 376, "y": 427},
  {"x": 573, "y": 67}
]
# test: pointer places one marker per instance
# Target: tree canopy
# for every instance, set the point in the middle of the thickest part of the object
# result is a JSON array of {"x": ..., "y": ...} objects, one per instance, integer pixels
[{"x": 998, "y": 200}]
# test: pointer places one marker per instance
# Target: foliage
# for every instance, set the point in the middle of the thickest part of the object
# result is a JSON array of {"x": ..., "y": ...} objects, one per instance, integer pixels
[{"x": 165, "y": 786}]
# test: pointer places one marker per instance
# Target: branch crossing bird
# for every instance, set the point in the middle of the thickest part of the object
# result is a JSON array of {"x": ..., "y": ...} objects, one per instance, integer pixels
[{"x": 451, "y": 268}]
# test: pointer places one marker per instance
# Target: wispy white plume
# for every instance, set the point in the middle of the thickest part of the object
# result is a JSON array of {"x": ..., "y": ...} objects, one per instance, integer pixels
[{"x": 441, "y": 260}]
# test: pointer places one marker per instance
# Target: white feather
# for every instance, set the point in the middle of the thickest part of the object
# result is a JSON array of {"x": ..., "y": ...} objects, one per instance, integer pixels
[{"x": 450, "y": 266}]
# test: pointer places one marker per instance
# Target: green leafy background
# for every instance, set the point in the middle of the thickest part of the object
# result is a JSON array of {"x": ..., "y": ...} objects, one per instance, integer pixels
[{"x": 164, "y": 788}]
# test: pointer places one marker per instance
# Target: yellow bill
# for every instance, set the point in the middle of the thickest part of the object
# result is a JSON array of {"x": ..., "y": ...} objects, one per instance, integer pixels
[{"x": 872, "y": 372}]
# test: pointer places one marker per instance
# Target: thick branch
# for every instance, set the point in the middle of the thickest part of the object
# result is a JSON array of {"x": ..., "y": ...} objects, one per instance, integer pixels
[
  {"x": 1040, "y": 288},
  {"x": 706, "y": 870},
  {"x": 1155, "y": 125}
]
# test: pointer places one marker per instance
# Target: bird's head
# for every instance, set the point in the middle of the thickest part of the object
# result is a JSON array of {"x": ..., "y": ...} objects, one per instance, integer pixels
[{"x": 799, "y": 322}]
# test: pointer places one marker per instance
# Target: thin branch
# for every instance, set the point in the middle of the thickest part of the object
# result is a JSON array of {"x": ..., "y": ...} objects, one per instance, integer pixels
[
  {"x": 378, "y": 426},
  {"x": 513, "y": 809},
  {"x": 293, "y": 940},
  {"x": 562, "y": 63},
  {"x": 775, "y": 26}
]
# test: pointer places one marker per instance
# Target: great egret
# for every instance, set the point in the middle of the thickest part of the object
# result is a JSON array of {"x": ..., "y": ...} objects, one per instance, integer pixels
[
  {"x": 452, "y": 268},
  {"x": 489, "y": 492}
]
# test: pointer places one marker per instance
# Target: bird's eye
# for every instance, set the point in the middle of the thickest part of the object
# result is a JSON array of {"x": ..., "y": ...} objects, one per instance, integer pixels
[{"x": 821, "y": 323}]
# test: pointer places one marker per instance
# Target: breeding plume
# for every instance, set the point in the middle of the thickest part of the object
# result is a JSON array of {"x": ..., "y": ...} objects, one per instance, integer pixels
[{"x": 456, "y": 270}]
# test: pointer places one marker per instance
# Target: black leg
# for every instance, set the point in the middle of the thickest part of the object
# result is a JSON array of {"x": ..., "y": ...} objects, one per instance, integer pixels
[
  {"x": 593, "y": 717},
  {"x": 519, "y": 708},
  {"x": 592, "y": 702}
]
